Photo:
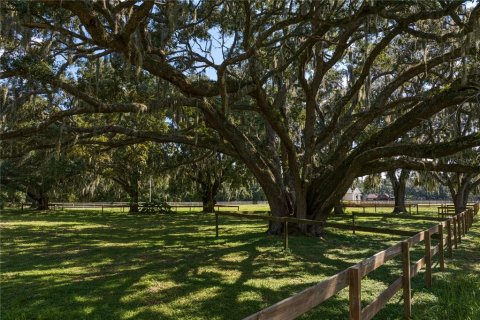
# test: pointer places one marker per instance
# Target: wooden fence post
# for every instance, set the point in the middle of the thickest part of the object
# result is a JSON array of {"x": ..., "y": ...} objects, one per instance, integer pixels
[
  {"x": 463, "y": 224},
  {"x": 285, "y": 235},
  {"x": 407, "y": 294},
  {"x": 441, "y": 246},
  {"x": 353, "y": 223},
  {"x": 355, "y": 293},
  {"x": 216, "y": 224},
  {"x": 469, "y": 220},
  {"x": 465, "y": 213},
  {"x": 459, "y": 228},
  {"x": 417, "y": 208},
  {"x": 467, "y": 224},
  {"x": 428, "y": 259},
  {"x": 449, "y": 237}
]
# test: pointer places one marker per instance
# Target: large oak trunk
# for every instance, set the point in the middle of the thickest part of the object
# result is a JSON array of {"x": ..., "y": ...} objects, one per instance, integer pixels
[
  {"x": 280, "y": 206},
  {"x": 43, "y": 203},
  {"x": 209, "y": 192},
  {"x": 399, "y": 185},
  {"x": 40, "y": 200},
  {"x": 133, "y": 201},
  {"x": 460, "y": 194},
  {"x": 208, "y": 201},
  {"x": 399, "y": 193},
  {"x": 209, "y": 206},
  {"x": 315, "y": 203},
  {"x": 338, "y": 209},
  {"x": 460, "y": 200}
]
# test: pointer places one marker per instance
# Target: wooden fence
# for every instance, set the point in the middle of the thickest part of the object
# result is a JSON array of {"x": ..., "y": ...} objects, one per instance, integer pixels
[
  {"x": 450, "y": 233},
  {"x": 443, "y": 208},
  {"x": 123, "y": 205},
  {"x": 328, "y": 224},
  {"x": 376, "y": 205}
]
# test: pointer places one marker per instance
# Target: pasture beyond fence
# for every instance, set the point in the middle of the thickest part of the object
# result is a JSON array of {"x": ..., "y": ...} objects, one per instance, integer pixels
[{"x": 449, "y": 233}]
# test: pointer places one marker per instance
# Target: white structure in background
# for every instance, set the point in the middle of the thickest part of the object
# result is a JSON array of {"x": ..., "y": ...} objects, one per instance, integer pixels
[{"x": 352, "y": 195}]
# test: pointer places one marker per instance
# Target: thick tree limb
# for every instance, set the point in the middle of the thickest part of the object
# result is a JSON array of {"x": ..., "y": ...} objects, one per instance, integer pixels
[{"x": 379, "y": 166}]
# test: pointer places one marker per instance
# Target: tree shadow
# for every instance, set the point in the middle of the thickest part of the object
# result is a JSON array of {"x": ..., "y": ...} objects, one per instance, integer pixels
[{"x": 92, "y": 265}]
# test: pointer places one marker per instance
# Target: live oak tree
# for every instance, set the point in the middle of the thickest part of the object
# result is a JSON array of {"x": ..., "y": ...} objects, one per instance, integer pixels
[
  {"x": 39, "y": 174},
  {"x": 203, "y": 174},
  {"x": 445, "y": 125},
  {"x": 40, "y": 168},
  {"x": 308, "y": 95},
  {"x": 126, "y": 166},
  {"x": 450, "y": 124},
  {"x": 461, "y": 186}
]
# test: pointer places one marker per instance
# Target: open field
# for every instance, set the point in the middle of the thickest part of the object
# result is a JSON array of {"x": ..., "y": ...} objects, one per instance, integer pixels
[{"x": 89, "y": 265}]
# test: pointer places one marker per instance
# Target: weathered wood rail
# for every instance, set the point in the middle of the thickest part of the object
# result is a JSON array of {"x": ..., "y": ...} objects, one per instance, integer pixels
[
  {"x": 123, "y": 205},
  {"x": 450, "y": 233},
  {"x": 444, "y": 209},
  {"x": 376, "y": 205},
  {"x": 328, "y": 224}
]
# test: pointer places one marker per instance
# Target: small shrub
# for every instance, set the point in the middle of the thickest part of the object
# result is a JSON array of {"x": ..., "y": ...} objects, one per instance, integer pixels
[{"x": 156, "y": 207}]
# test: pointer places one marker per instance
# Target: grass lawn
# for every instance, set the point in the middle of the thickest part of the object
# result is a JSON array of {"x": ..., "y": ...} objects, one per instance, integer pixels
[{"x": 89, "y": 265}]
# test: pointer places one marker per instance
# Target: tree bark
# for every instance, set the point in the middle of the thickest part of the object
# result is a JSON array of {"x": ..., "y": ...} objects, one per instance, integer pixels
[
  {"x": 460, "y": 199},
  {"x": 301, "y": 210},
  {"x": 460, "y": 187},
  {"x": 40, "y": 199},
  {"x": 338, "y": 209},
  {"x": 134, "y": 195},
  {"x": 280, "y": 206},
  {"x": 399, "y": 194},
  {"x": 399, "y": 189},
  {"x": 209, "y": 205},
  {"x": 43, "y": 203},
  {"x": 209, "y": 192}
]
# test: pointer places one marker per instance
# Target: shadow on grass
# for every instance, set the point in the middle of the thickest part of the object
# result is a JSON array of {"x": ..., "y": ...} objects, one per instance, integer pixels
[{"x": 65, "y": 265}]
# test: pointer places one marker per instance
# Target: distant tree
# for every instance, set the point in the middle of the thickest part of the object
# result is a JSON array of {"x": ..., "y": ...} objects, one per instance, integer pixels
[
  {"x": 38, "y": 174},
  {"x": 450, "y": 124},
  {"x": 204, "y": 173}
]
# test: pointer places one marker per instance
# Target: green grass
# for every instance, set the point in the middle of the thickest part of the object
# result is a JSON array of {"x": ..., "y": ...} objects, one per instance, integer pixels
[{"x": 88, "y": 265}]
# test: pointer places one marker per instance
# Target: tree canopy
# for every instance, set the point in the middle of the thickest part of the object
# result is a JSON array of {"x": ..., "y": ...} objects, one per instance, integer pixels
[{"x": 309, "y": 95}]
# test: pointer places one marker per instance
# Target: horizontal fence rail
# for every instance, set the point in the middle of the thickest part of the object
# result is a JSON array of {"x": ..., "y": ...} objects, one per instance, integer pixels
[
  {"x": 448, "y": 232},
  {"x": 328, "y": 224},
  {"x": 123, "y": 205}
]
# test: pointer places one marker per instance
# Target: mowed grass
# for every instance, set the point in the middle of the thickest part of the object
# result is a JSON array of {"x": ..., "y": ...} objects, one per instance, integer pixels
[{"x": 89, "y": 265}]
